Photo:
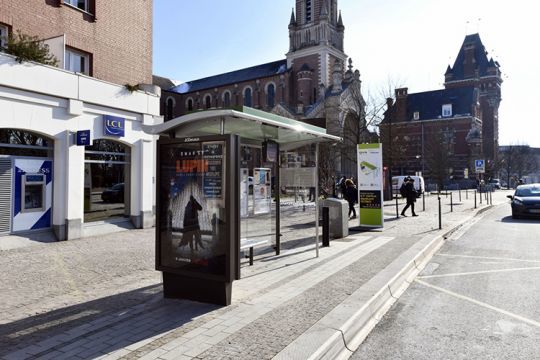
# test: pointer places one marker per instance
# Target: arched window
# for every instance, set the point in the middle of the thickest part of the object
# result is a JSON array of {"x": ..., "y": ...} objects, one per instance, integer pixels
[
  {"x": 227, "y": 99},
  {"x": 271, "y": 95},
  {"x": 190, "y": 104},
  {"x": 169, "y": 110},
  {"x": 247, "y": 97},
  {"x": 207, "y": 102}
]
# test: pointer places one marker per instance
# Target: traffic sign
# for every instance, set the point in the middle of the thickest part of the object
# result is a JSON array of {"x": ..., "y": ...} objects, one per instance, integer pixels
[{"x": 480, "y": 166}]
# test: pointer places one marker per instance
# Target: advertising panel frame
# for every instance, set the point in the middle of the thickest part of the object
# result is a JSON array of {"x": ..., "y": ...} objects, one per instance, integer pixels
[{"x": 231, "y": 234}]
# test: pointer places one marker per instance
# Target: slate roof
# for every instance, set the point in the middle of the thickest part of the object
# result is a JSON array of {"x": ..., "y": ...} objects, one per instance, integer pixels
[
  {"x": 480, "y": 56},
  {"x": 251, "y": 73},
  {"x": 429, "y": 104}
]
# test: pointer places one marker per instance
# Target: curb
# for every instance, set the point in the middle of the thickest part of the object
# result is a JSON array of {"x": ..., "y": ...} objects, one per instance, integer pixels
[{"x": 345, "y": 328}]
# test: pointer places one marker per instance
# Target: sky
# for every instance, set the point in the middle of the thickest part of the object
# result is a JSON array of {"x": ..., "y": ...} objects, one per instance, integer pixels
[{"x": 392, "y": 43}]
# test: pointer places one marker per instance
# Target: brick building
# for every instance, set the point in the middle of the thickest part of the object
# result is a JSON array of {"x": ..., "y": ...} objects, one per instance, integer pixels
[
  {"x": 310, "y": 84},
  {"x": 74, "y": 159},
  {"x": 108, "y": 40},
  {"x": 442, "y": 132}
]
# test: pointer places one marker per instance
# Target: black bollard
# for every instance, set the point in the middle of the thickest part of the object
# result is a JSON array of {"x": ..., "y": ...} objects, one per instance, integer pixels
[
  {"x": 480, "y": 196},
  {"x": 440, "y": 215},
  {"x": 467, "y": 194},
  {"x": 424, "y": 201},
  {"x": 491, "y": 198},
  {"x": 325, "y": 226},
  {"x": 460, "y": 194},
  {"x": 475, "y": 199},
  {"x": 397, "y": 208},
  {"x": 451, "y": 204}
]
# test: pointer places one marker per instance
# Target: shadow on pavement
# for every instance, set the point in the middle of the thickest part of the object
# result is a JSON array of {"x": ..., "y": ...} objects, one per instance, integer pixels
[
  {"x": 509, "y": 219},
  {"x": 114, "y": 314}
]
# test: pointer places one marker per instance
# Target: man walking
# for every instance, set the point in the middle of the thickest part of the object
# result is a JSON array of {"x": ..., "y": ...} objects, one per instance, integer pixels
[{"x": 410, "y": 195}]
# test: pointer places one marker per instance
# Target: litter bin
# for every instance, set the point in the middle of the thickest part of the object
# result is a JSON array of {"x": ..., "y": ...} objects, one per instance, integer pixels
[{"x": 339, "y": 217}]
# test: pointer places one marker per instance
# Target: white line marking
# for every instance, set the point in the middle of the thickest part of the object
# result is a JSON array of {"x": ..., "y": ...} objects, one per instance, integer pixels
[
  {"x": 478, "y": 272},
  {"x": 488, "y": 258},
  {"x": 480, "y": 303}
]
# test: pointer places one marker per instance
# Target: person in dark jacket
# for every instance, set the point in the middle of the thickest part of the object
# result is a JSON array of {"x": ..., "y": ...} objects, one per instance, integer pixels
[
  {"x": 192, "y": 229},
  {"x": 351, "y": 195},
  {"x": 410, "y": 195}
]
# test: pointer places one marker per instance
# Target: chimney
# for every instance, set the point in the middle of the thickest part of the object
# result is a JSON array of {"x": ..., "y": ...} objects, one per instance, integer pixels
[{"x": 401, "y": 105}]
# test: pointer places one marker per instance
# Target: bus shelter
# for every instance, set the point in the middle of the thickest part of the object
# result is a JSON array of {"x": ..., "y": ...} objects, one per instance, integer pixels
[{"x": 221, "y": 178}]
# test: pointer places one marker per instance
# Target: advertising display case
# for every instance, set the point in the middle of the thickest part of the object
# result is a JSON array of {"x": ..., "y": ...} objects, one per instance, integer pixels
[{"x": 197, "y": 232}]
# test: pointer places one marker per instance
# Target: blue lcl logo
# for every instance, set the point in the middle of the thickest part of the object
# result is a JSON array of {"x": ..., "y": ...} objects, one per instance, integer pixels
[{"x": 113, "y": 125}]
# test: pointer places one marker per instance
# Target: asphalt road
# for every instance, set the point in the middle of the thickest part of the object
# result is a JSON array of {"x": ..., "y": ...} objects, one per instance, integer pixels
[{"x": 479, "y": 298}]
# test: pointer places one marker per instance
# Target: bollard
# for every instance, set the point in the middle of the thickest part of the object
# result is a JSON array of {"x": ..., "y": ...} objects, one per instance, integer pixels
[
  {"x": 424, "y": 201},
  {"x": 325, "y": 226},
  {"x": 446, "y": 192},
  {"x": 459, "y": 194},
  {"x": 397, "y": 208},
  {"x": 491, "y": 198},
  {"x": 487, "y": 202},
  {"x": 480, "y": 196},
  {"x": 451, "y": 204},
  {"x": 440, "y": 216},
  {"x": 466, "y": 194},
  {"x": 475, "y": 199}
]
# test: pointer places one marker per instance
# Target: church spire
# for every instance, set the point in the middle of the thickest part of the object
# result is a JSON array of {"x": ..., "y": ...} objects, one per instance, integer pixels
[
  {"x": 293, "y": 19},
  {"x": 340, "y": 21}
]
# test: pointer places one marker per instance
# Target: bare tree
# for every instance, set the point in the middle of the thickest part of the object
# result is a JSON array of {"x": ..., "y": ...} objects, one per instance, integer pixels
[
  {"x": 438, "y": 158},
  {"x": 517, "y": 161}
]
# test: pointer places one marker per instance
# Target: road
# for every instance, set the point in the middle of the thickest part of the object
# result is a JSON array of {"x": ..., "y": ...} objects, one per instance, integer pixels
[{"x": 479, "y": 298}]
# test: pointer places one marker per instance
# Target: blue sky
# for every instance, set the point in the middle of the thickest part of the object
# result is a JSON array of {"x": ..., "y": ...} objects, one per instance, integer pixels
[{"x": 405, "y": 43}]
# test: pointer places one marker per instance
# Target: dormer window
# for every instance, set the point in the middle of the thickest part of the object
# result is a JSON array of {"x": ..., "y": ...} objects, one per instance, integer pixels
[
  {"x": 447, "y": 110},
  {"x": 416, "y": 115}
]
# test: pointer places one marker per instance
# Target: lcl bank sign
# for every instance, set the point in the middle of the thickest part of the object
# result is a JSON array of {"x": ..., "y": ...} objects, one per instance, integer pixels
[{"x": 113, "y": 126}]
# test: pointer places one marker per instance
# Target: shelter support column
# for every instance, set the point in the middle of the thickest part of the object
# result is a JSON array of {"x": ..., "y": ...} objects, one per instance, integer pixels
[{"x": 71, "y": 171}]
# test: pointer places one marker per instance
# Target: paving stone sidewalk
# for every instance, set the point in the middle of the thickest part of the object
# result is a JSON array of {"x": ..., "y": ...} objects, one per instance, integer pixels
[{"x": 101, "y": 298}]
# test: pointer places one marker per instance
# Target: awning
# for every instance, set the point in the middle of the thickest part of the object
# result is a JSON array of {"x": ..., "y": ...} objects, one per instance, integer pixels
[{"x": 250, "y": 124}]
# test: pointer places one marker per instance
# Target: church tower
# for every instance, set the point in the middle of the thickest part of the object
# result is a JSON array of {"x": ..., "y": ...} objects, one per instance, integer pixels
[
  {"x": 472, "y": 68},
  {"x": 316, "y": 34}
]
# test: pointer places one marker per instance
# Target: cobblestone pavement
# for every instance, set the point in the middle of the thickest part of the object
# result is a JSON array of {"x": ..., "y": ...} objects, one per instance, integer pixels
[{"x": 101, "y": 297}]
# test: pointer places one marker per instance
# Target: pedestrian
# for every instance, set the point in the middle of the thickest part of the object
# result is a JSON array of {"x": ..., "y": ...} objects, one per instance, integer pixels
[
  {"x": 343, "y": 186},
  {"x": 351, "y": 195},
  {"x": 410, "y": 195}
]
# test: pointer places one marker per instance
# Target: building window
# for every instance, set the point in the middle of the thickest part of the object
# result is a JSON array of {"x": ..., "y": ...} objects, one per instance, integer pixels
[
  {"x": 271, "y": 95},
  {"x": 247, "y": 97},
  {"x": 80, "y": 4},
  {"x": 3, "y": 35},
  {"x": 190, "y": 104},
  {"x": 207, "y": 102},
  {"x": 227, "y": 99},
  {"x": 308, "y": 11},
  {"x": 416, "y": 115},
  {"x": 447, "y": 110},
  {"x": 77, "y": 61},
  {"x": 170, "y": 106}
]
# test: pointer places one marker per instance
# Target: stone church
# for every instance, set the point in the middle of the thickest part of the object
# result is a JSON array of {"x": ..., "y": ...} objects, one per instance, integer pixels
[{"x": 314, "y": 83}]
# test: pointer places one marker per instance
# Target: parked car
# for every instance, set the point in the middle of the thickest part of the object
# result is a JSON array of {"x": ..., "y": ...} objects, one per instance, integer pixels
[
  {"x": 526, "y": 201},
  {"x": 496, "y": 183},
  {"x": 115, "y": 194}
]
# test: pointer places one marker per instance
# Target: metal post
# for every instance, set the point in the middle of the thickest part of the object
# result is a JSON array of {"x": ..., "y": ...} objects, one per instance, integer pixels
[
  {"x": 480, "y": 196},
  {"x": 325, "y": 226},
  {"x": 467, "y": 194},
  {"x": 397, "y": 208},
  {"x": 277, "y": 191},
  {"x": 459, "y": 194},
  {"x": 317, "y": 200},
  {"x": 446, "y": 192},
  {"x": 424, "y": 201},
  {"x": 491, "y": 198},
  {"x": 451, "y": 204},
  {"x": 440, "y": 215},
  {"x": 475, "y": 199}
]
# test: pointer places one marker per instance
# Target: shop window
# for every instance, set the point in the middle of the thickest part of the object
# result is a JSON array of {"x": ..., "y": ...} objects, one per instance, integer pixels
[
  {"x": 77, "y": 61},
  {"x": 25, "y": 143},
  {"x": 106, "y": 180}
]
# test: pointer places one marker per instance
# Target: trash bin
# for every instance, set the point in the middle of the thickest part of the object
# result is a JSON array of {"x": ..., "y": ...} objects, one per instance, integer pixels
[{"x": 339, "y": 217}]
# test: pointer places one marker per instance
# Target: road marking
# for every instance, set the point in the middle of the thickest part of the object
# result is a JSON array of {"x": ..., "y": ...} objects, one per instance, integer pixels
[
  {"x": 488, "y": 258},
  {"x": 480, "y": 303},
  {"x": 478, "y": 272}
]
